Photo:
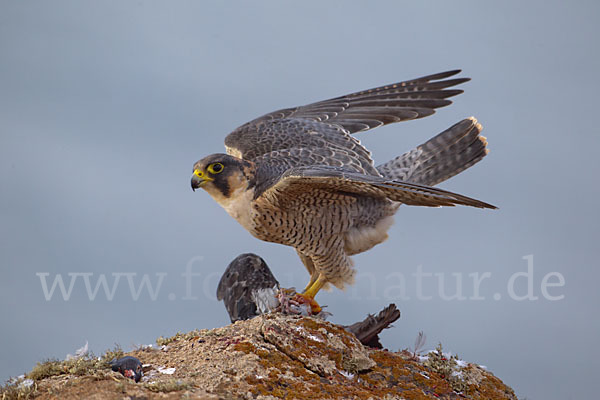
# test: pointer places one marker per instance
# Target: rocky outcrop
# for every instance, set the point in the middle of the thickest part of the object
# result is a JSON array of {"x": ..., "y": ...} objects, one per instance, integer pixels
[{"x": 275, "y": 357}]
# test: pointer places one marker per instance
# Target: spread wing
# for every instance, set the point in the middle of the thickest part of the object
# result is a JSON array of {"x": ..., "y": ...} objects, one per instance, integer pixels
[
  {"x": 330, "y": 182},
  {"x": 333, "y": 121}
]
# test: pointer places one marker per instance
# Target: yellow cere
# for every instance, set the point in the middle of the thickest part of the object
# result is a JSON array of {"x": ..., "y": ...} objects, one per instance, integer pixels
[{"x": 200, "y": 174}]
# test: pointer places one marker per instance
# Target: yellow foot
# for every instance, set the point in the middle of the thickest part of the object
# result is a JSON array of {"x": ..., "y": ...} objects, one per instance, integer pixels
[
  {"x": 315, "y": 308},
  {"x": 308, "y": 297}
]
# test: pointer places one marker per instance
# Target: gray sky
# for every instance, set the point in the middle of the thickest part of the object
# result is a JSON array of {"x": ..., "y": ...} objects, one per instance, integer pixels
[{"x": 105, "y": 106}]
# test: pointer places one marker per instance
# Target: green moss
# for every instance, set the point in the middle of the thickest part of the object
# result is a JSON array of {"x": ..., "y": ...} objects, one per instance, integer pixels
[
  {"x": 172, "y": 385},
  {"x": 163, "y": 341},
  {"x": 350, "y": 364},
  {"x": 446, "y": 368},
  {"x": 86, "y": 365},
  {"x": 46, "y": 369},
  {"x": 115, "y": 353}
]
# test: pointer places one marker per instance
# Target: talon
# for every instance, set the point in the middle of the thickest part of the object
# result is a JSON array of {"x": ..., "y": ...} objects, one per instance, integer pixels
[
  {"x": 315, "y": 308},
  {"x": 292, "y": 302}
]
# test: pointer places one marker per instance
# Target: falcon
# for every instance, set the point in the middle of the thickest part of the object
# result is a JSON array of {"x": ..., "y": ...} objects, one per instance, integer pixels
[{"x": 298, "y": 176}]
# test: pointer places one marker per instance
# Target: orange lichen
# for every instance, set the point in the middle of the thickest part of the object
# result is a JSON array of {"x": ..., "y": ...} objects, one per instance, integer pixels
[
  {"x": 282, "y": 357},
  {"x": 391, "y": 375}
]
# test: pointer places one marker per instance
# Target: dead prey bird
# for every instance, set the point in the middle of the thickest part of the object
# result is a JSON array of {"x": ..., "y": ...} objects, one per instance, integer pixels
[
  {"x": 248, "y": 288},
  {"x": 129, "y": 366}
]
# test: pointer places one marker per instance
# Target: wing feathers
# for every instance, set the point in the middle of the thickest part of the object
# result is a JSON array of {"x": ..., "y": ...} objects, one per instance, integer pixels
[
  {"x": 322, "y": 180},
  {"x": 355, "y": 112},
  {"x": 419, "y": 84},
  {"x": 441, "y": 157},
  {"x": 400, "y": 100}
]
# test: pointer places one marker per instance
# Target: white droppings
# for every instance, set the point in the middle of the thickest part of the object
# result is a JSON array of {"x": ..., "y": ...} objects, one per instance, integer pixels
[
  {"x": 166, "y": 371},
  {"x": 307, "y": 335},
  {"x": 315, "y": 338},
  {"x": 347, "y": 374},
  {"x": 27, "y": 383},
  {"x": 461, "y": 363}
]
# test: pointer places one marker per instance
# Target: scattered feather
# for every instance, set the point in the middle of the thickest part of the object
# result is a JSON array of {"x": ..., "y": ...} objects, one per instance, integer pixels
[
  {"x": 82, "y": 351},
  {"x": 419, "y": 343}
]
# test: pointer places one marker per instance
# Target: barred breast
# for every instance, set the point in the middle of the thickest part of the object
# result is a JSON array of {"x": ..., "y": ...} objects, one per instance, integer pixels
[{"x": 310, "y": 223}]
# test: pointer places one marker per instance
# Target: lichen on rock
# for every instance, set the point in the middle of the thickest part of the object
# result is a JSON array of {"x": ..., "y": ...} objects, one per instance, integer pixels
[{"x": 275, "y": 356}]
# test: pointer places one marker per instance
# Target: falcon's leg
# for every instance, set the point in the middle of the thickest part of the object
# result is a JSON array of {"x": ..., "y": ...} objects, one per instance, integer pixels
[
  {"x": 313, "y": 278},
  {"x": 314, "y": 287},
  {"x": 311, "y": 291},
  {"x": 332, "y": 267},
  {"x": 310, "y": 267}
]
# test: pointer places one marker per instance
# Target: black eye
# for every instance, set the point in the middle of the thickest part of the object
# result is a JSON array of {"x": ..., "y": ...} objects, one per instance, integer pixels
[{"x": 215, "y": 168}]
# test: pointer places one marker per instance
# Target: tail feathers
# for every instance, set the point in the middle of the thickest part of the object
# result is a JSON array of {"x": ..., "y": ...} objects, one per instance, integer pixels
[
  {"x": 440, "y": 158},
  {"x": 367, "y": 331}
]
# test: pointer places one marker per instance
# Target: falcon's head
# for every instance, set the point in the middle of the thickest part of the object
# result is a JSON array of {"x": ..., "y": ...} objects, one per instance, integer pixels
[{"x": 221, "y": 175}]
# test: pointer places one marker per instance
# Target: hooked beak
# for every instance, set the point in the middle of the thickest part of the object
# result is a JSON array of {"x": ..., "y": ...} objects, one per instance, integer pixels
[
  {"x": 196, "y": 182},
  {"x": 198, "y": 179}
]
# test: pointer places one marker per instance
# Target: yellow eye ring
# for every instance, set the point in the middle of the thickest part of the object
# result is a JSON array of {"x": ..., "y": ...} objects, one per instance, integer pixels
[{"x": 215, "y": 168}]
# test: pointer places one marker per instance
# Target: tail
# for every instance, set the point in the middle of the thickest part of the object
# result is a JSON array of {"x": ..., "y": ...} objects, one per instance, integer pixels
[
  {"x": 367, "y": 331},
  {"x": 441, "y": 157}
]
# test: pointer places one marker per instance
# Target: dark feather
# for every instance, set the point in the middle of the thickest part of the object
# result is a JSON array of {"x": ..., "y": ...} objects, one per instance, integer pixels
[{"x": 368, "y": 330}]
